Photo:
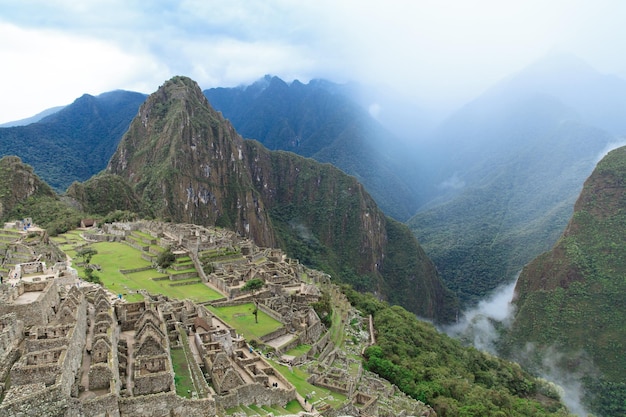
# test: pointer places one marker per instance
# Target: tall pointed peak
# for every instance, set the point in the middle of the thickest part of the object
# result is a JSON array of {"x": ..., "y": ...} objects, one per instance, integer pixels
[{"x": 177, "y": 88}]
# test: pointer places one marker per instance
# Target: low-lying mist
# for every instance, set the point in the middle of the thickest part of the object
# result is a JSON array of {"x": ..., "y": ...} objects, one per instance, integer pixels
[
  {"x": 479, "y": 325},
  {"x": 484, "y": 325}
]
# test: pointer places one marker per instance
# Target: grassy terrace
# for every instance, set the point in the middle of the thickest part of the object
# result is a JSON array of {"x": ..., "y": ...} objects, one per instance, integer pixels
[
  {"x": 298, "y": 350},
  {"x": 297, "y": 377},
  {"x": 182, "y": 378},
  {"x": 241, "y": 318},
  {"x": 113, "y": 256}
]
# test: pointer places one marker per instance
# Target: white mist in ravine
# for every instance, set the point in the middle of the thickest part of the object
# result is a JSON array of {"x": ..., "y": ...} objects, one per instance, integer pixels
[{"x": 478, "y": 325}]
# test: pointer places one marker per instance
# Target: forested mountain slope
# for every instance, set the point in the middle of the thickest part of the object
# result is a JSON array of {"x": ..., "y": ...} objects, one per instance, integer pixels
[
  {"x": 504, "y": 173},
  {"x": 571, "y": 298},
  {"x": 318, "y": 120},
  {"x": 76, "y": 142}
]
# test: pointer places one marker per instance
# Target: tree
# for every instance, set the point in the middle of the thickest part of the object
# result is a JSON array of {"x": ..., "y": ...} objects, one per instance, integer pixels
[
  {"x": 86, "y": 252},
  {"x": 92, "y": 276},
  {"x": 254, "y": 285},
  {"x": 166, "y": 258}
]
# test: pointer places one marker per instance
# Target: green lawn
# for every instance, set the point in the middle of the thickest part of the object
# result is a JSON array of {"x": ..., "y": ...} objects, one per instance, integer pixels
[
  {"x": 182, "y": 378},
  {"x": 113, "y": 256},
  {"x": 298, "y": 350},
  {"x": 297, "y": 377},
  {"x": 293, "y": 407},
  {"x": 241, "y": 318}
]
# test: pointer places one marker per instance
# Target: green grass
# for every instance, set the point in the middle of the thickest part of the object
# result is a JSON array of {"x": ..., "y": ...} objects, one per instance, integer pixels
[
  {"x": 182, "y": 379},
  {"x": 293, "y": 407},
  {"x": 143, "y": 235},
  {"x": 113, "y": 256},
  {"x": 298, "y": 378},
  {"x": 298, "y": 350},
  {"x": 241, "y": 318},
  {"x": 337, "y": 332}
]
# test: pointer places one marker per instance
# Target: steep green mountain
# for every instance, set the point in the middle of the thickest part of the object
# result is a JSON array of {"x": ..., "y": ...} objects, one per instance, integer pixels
[
  {"x": 571, "y": 299},
  {"x": 319, "y": 121},
  {"x": 23, "y": 194},
  {"x": 505, "y": 172},
  {"x": 18, "y": 183},
  {"x": 187, "y": 164},
  {"x": 76, "y": 142},
  {"x": 104, "y": 193}
]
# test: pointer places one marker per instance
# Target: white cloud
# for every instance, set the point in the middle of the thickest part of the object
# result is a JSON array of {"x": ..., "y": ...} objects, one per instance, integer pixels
[
  {"x": 441, "y": 50},
  {"x": 45, "y": 68}
]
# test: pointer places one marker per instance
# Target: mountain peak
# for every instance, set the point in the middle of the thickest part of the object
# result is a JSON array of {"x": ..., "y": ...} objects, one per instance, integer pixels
[
  {"x": 186, "y": 159},
  {"x": 180, "y": 87}
]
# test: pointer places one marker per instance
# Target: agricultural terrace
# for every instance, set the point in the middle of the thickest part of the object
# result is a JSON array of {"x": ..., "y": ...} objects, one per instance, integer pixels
[
  {"x": 317, "y": 395},
  {"x": 240, "y": 317},
  {"x": 114, "y": 257}
]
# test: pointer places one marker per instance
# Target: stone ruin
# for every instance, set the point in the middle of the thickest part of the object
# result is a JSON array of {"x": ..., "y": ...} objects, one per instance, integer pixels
[{"x": 74, "y": 349}]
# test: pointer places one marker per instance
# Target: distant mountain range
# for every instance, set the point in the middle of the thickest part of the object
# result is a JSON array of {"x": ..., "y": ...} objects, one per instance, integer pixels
[
  {"x": 504, "y": 171},
  {"x": 75, "y": 142},
  {"x": 320, "y": 120},
  {"x": 33, "y": 119}
]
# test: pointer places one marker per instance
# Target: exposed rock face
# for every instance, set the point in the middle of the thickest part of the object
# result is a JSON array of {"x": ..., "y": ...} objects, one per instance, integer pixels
[
  {"x": 187, "y": 164},
  {"x": 18, "y": 182}
]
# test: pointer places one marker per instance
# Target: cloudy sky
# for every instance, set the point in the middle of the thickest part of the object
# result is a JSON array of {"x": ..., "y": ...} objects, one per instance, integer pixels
[{"x": 446, "y": 51}]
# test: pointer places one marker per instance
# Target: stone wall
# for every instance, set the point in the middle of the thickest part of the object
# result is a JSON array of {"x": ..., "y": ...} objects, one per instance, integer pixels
[
  {"x": 101, "y": 237},
  {"x": 131, "y": 271},
  {"x": 75, "y": 347},
  {"x": 166, "y": 405},
  {"x": 103, "y": 405},
  {"x": 11, "y": 333},
  {"x": 100, "y": 376},
  {"x": 271, "y": 313},
  {"x": 153, "y": 382},
  {"x": 40, "y": 311},
  {"x": 184, "y": 275},
  {"x": 273, "y": 335},
  {"x": 319, "y": 346},
  {"x": 23, "y": 373},
  {"x": 50, "y": 402},
  {"x": 256, "y": 394}
]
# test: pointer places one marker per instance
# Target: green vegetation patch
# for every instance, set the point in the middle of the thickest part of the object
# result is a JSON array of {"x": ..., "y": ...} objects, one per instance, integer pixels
[
  {"x": 298, "y": 350},
  {"x": 241, "y": 318},
  {"x": 438, "y": 370},
  {"x": 113, "y": 257},
  {"x": 182, "y": 377},
  {"x": 298, "y": 378}
]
